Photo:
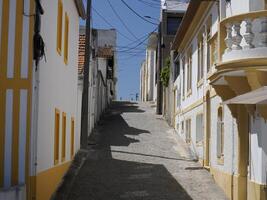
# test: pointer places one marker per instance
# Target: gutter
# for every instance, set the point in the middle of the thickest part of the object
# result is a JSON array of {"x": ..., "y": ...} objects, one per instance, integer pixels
[{"x": 80, "y": 8}]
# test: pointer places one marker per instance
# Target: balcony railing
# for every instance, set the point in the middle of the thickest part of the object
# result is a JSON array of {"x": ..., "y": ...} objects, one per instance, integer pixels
[{"x": 243, "y": 36}]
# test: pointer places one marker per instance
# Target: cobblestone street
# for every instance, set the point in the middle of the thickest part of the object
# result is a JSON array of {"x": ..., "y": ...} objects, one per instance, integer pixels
[{"x": 134, "y": 154}]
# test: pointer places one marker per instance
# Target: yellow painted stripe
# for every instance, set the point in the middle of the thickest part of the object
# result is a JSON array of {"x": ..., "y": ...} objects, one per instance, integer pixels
[
  {"x": 2, "y": 135},
  {"x": 72, "y": 137},
  {"x": 4, "y": 44},
  {"x": 15, "y": 84},
  {"x": 18, "y": 39},
  {"x": 30, "y": 182},
  {"x": 63, "y": 143},
  {"x": 47, "y": 181},
  {"x": 15, "y": 137},
  {"x": 3, "y": 64}
]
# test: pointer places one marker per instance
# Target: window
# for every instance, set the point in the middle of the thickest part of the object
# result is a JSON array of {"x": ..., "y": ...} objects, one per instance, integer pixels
[
  {"x": 199, "y": 128},
  {"x": 220, "y": 133},
  {"x": 188, "y": 130},
  {"x": 208, "y": 46},
  {"x": 183, "y": 68},
  {"x": 56, "y": 136},
  {"x": 213, "y": 51},
  {"x": 59, "y": 26},
  {"x": 63, "y": 150},
  {"x": 176, "y": 70},
  {"x": 172, "y": 25},
  {"x": 200, "y": 57},
  {"x": 189, "y": 71},
  {"x": 182, "y": 127},
  {"x": 72, "y": 137},
  {"x": 66, "y": 39}
]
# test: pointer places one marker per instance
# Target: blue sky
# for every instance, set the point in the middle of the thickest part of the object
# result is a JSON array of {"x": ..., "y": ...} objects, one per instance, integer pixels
[{"x": 128, "y": 62}]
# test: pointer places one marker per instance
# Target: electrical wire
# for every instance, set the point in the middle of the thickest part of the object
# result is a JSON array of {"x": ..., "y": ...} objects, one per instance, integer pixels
[
  {"x": 136, "y": 13},
  {"x": 107, "y": 22},
  {"x": 150, "y": 4},
  {"x": 121, "y": 20},
  {"x": 140, "y": 43}
]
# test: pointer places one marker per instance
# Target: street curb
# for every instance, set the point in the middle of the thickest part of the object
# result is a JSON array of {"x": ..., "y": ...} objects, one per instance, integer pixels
[{"x": 67, "y": 181}]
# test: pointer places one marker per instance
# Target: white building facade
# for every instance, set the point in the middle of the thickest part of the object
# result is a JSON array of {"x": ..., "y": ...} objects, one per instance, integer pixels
[
  {"x": 148, "y": 81},
  {"x": 102, "y": 72},
  {"x": 38, "y": 103},
  {"x": 221, "y": 53}
]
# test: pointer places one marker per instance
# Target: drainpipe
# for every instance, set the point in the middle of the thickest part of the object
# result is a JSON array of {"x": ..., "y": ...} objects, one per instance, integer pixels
[
  {"x": 159, "y": 61},
  {"x": 85, "y": 100}
]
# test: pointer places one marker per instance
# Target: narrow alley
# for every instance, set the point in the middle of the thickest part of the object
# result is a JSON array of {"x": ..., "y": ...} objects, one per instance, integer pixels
[{"x": 134, "y": 154}]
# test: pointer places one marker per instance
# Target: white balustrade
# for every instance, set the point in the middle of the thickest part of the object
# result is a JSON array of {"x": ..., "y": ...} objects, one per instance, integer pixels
[
  {"x": 237, "y": 37},
  {"x": 237, "y": 40},
  {"x": 263, "y": 32},
  {"x": 228, "y": 40},
  {"x": 249, "y": 35}
]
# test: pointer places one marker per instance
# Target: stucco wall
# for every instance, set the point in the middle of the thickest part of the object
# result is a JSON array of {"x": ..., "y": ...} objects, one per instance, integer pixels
[{"x": 57, "y": 83}]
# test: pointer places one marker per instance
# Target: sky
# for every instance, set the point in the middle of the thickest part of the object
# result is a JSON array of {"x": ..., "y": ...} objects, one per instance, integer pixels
[{"x": 129, "y": 62}]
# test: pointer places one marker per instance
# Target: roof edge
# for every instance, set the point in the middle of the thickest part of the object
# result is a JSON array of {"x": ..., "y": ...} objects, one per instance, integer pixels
[
  {"x": 186, "y": 22},
  {"x": 80, "y": 8}
]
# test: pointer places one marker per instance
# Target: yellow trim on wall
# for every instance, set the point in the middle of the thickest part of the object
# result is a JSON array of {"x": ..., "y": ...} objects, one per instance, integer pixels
[
  {"x": 256, "y": 191},
  {"x": 2, "y": 135},
  {"x": 224, "y": 180},
  {"x": 56, "y": 136},
  {"x": 192, "y": 106},
  {"x": 72, "y": 150},
  {"x": 230, "y": 185},
  {"x": 3, "y": 63},
  {"x": 3, "y": 69},
  {"x": 63, "y": 135},
  {"x": 66, "y": 39},
  {"x": 59, "y": 26},
  {"x": 4, "y": 39},
  {"x": 16, "y": 97},
  {"x": 15, "y": 137},
  {"x": 18, "y": 40},
  {"x": 44, "y": 188}
]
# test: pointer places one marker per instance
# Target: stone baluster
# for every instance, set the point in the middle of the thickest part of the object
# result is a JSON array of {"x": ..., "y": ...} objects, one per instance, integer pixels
[
  {"x": 249, "y": 35},
  {"x": 237, "y": 38},
  {"x": 263, "y": 32},
  {"x": 228, "y": 40}
]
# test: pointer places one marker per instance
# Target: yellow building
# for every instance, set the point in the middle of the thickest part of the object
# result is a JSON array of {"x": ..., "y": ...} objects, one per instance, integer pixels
[
  {"x": 38, "y": 108},
  {"x": 221, "y": 93}
]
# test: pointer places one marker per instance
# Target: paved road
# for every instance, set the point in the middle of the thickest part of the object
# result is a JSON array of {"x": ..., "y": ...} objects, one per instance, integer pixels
[{"x": 135, "y": 155}]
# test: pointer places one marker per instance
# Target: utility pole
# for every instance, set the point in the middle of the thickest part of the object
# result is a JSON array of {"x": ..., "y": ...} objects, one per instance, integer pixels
[
  {"x": 84, "y": 111},
  {"x": 159, "y": 62}
]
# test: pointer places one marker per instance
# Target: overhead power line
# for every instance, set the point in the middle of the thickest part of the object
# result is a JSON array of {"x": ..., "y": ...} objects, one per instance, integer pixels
[
  {"x": 136, "y": 13},
  {"x": 140, "y": 43},
  {"x": 121, "y": 20},
  {"x": 107, "y": 22},
  {"x": 150, "y": 4}
]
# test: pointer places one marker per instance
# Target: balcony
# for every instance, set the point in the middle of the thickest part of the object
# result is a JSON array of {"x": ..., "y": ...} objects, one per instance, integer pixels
[
  {"x": 243, "y": 40},
  {"x": 242, "y": 66}
]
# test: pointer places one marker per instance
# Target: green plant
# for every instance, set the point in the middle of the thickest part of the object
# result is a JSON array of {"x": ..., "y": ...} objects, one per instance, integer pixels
[{"x": 165, "y": 72}]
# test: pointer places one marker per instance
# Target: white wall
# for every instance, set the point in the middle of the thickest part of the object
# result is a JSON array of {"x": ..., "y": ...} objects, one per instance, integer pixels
[
  {"x": 258, "y": 150},
  {"x": 57, "y": 83},
  {"x": 198, "y": 94}
]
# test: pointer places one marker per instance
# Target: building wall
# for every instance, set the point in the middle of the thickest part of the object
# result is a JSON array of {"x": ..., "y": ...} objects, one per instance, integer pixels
[
  {"x": 16, "y": 32},
  {"x": 194, "y": 103},
  {"x": 228, "y": 171},
  {"x": 57, "y": 90}
]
